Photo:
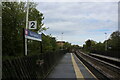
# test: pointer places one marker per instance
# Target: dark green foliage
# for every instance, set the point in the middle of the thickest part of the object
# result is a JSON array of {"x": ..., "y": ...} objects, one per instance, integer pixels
[
  {"x": 114, "y": 41},
  {"x": 89, "y": 45},
  {"x": 98, "y": 47},
  {"x": 70, "y": 48},
  {"x": 34, "y": 47},
  {"x": 113, "y": 46},
  {"x": 13, "y": 22},
  {"x": 67, "y": 45},
  {"x": 49, "y": 43}
]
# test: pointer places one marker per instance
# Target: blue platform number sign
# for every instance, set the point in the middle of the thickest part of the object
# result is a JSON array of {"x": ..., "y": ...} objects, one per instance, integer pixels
[{"x": 32, "y": 24}]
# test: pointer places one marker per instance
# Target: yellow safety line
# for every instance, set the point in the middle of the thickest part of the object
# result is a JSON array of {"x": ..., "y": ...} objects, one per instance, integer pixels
[
  {"x": 87, "y": 69},
  {"x": 76, "y": 68}
]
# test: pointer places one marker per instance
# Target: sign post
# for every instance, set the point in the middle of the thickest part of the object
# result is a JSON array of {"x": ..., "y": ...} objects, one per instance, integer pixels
[
  {"x": 26, "y": 26},
  {"x": 33, "y": 36},
  {"x": 29, "y": 34}
]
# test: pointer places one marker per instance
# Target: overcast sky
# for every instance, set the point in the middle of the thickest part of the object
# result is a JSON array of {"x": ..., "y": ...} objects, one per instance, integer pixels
[{"x": 80, "y": 21}]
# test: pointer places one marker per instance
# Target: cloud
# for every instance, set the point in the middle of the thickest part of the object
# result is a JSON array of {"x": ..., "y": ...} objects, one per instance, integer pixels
[
  {"x": 69, "y": 0},
  {"x": 61, "y": 0},
  {"x": 80, "y": 20}
]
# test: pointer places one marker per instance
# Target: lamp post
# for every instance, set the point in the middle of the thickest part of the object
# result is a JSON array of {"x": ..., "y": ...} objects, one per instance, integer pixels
[
  {"x": 106, "y": 42},
  {"x": 62, "y": 41},
  {"x": 62, "y": 36}
]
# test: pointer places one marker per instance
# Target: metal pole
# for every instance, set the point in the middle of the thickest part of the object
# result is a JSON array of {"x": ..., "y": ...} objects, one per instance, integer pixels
[
  {"x": 106, "y": 42},
  {"x": 26, "y": 26},
  {"x": 41, "y": 46},
  {"x": 62, "y": 36},
  {"x": 62, "y": 41}
]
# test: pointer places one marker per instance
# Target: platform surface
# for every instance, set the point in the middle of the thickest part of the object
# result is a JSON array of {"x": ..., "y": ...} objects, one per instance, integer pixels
[{"x": 70, "y": 67}]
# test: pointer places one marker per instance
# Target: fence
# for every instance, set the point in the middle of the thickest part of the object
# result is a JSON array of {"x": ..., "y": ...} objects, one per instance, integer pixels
[{"x": 34, "y": 67}]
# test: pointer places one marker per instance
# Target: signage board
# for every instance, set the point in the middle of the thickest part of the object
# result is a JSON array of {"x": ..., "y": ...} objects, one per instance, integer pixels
[
  {"x": 32, "y": 35},
  {"x": 32, "y": 24}
]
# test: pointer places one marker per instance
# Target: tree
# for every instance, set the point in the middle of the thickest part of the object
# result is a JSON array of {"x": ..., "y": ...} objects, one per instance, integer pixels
[
  {"x": 114, "y": 43},
  {"x": 67, "y": 46},
  {"x": 89, "y": 45},
  {"x": 49, "y": 43},
  {"x": 13, "y": 22},
  {"x": 98, "y": 48}
]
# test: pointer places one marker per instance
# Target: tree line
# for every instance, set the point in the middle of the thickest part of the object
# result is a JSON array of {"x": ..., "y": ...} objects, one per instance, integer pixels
[
  {"x": 13, "y": 22},
  {"x": 110, "y": 47}
]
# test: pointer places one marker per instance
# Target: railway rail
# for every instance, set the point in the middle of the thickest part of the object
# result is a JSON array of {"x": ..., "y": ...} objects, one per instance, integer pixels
[
  {"x": 112, "y": 61},
  {"x": 102, "y": 68}
]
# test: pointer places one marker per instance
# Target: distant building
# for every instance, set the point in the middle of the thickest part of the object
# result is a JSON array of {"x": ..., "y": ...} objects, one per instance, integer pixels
[{"x": 60, "y": 43}]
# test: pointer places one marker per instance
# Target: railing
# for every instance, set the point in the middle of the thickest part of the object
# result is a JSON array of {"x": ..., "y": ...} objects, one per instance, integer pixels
[{"x": 30, "y": 67}]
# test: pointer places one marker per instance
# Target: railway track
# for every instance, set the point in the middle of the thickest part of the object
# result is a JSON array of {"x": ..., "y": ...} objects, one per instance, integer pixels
[
  {"x": 114, "y": 63},
  {"x": 102, "y": 69}
]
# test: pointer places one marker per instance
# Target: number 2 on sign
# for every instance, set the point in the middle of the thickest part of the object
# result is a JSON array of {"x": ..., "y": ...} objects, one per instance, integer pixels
[{"x": 32, "y": 24}]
